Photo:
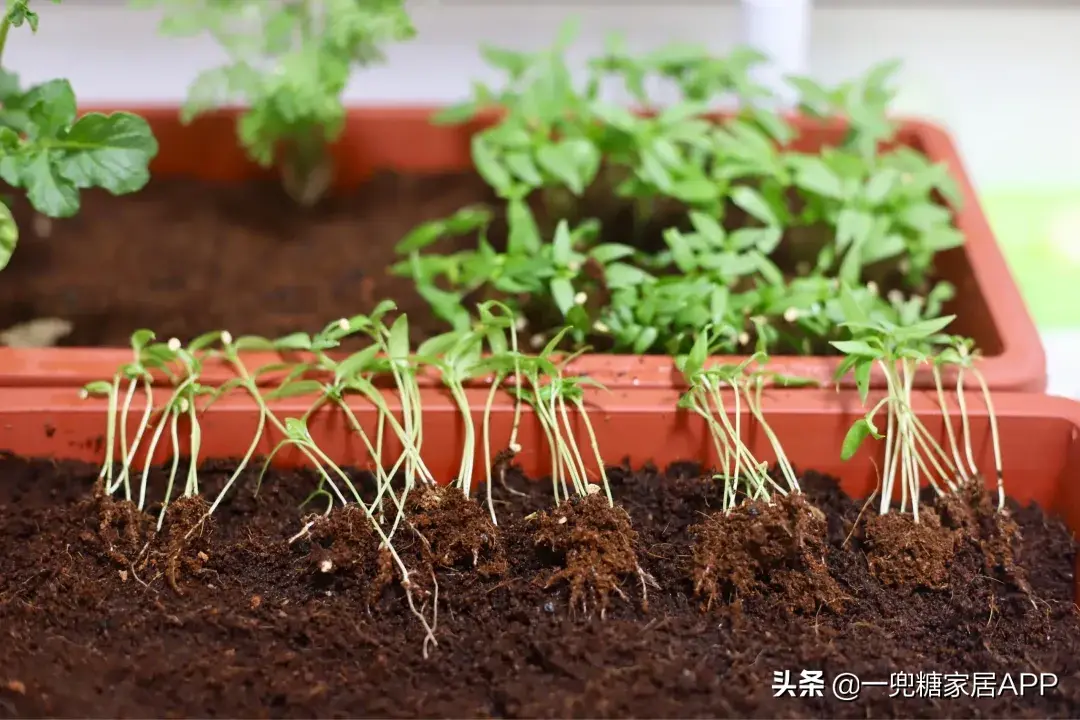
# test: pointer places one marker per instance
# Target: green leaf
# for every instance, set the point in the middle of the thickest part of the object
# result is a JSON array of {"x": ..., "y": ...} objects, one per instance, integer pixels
[
  {"x": 562, "y": 246},
  {"x": 754, "y": 204},
  {"x": 562, "y": 292},
  {"x": 522, "y": 165},
  {"x": 293, "y": 341},
  {"x": 487, "y": 164},
  {"x": 140, "y": 339},
  {"x": 858, "y": 348},
  {"x": 574, "y": 162},
  {"x": 355, "y": 363},
  {"x": 854, "y": 438},
  {"x": 397, "y": 345},
  {"x": 97, "y": 388},
  {"x": 421, "y": 236},
  {"x": 9, "y": 235},
  {"x": 295, "y": 388},
  {"x": 610, "y": 252},
  {"x": 621, "y": 275},
  {"x": 853, "y": 227},
  {"x": 524, "y": 235},
  {"x": 645, "y": 340},
  {"x": 862, "y": 379},
  {"x": 812, "y": 174}
]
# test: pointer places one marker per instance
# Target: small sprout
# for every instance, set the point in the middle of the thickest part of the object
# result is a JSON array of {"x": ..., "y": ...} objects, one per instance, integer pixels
[
  {"x": 226, "y": 337},
  {"x": 174, "y": 344}
]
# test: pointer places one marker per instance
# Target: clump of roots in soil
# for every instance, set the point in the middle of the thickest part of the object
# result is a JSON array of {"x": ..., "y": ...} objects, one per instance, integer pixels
[
  {"x": 595, "y": 548},
  {"x": 909, "y": 551},
  {"x": 766, "y": 538},
  {"x": 765, "y": 549}
]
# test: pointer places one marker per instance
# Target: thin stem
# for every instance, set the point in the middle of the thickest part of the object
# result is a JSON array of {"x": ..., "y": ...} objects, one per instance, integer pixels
[
  {"x": 949, "y": 430},
  {"x": 994, "y": 436},
  {"x": 965, "y": 422},
  {"x": 596, "y": 449}
]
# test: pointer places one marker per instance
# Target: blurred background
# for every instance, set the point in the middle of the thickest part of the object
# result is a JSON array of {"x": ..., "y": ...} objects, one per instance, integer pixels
[{"x": 1001, "y": 75}]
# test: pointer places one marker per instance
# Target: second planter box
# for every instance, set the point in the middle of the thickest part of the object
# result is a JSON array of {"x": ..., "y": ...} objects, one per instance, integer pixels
[{"x": 402, "y": 140}]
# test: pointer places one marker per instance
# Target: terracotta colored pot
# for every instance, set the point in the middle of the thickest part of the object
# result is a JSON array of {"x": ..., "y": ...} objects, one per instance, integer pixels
[
  {"x": 988, "y": 305},
  {"x": 1040, "y": 435}
]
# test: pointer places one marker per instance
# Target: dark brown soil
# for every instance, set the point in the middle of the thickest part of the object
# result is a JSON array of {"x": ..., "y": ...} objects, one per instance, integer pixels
[
  {"x": 184, "y": 257},
  {"x": 320, "y": 626}
]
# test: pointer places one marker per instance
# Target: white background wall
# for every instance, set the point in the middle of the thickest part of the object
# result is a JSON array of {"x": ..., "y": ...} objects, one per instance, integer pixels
[{"x": 1006, "y": 81}]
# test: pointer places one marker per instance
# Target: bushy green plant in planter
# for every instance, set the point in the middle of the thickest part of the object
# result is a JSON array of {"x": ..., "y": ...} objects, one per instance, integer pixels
[
  {"x": 638, "y": 229},
  {"x": 51, "y": 152}
]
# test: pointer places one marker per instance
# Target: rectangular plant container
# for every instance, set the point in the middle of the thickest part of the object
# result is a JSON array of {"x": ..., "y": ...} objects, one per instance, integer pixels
[
  {"x": 1040, "y": 435},
  {"x": 988, "y": 305}
]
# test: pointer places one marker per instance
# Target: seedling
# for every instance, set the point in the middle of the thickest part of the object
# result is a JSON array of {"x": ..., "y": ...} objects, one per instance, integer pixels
[
  {"x": 289, "y": 63},
  {"x": 51, "y": 152},
  {"x": 705, "y": 397},
  {"x": 910, "y": 450}
]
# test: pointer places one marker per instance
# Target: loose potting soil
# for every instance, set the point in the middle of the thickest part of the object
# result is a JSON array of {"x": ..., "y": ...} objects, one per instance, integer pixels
[{"x": 659, "y": 607}]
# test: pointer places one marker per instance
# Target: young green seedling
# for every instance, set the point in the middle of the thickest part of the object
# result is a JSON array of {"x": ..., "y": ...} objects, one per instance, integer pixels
[
  {"x": 289, "y": 63},
  {"x": 51, "y": 152}
]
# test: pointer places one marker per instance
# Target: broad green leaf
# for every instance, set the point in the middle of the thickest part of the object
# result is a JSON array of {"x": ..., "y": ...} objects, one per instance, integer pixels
[
  {"x": 862, "y": 379},
  {"x": 562, "y": 292},
  {"x": 108, "y": 151},
  {"x": 487, "y": 164},
  {"x": 610, "y": 252},
  {"x": 754, "y": 204},
  {"x": 397, "y": 344},
  {"x": 621, "y": 275},
  {"x": 421, "y": 236},
  {"x": 293, "y": 341},
  {"x": 812, "y": 174},
  {"x": 355, "y": 363},
  {"x": 562, "y": 246},
  {"x": 141, "y": 338},
  {"x": 524, "y": 235},
  {"x": 645, "y": 340},
  {"x": 9, "y": 235},
  {"x": 524, "y": 168},
  {"x": 858, "y": 348},
  {"x": 853, "y": 226},
  {"x": 854, "y": 438}
]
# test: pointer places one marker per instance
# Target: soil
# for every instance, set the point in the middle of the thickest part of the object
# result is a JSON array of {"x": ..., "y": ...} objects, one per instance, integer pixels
[
  {"x": 184, "y": 257},
  {"x": 580, "y": 610}
]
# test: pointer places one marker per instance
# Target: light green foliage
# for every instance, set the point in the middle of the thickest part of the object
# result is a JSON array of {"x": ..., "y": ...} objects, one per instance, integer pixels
[
  {"x": 289, "y": 64},
  {"x": 730, "y": 198},
  {"x": 52, "y": 153}
]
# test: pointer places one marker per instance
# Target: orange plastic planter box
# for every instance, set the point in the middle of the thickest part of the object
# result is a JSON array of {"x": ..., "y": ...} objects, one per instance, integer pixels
[
  {"x": 989, "y": 307},
  {"x": 1040, "y": 435}
]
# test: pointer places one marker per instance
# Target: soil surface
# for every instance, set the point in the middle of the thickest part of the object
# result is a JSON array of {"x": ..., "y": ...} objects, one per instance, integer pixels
[
  {"x": 580, "y": 610},
  {"x": 185, "y": 257}
]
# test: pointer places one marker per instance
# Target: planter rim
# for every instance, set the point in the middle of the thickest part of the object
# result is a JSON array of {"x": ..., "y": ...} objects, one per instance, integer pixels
[{"x": 1019, "y": 366}]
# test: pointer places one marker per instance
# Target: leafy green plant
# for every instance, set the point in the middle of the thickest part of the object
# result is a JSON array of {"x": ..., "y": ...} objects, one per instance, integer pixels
[
  {"x": 755, "y": 234},
  {"x": 289, "y": 62},
  {"x": 741, "y": 471},
  {"x": 911, "y": 451},
  {"x": 51, "y": 152}
]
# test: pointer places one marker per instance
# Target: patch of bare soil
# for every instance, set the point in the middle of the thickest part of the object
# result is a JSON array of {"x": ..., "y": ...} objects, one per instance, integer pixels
[{"x": 260, "y": 631}]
